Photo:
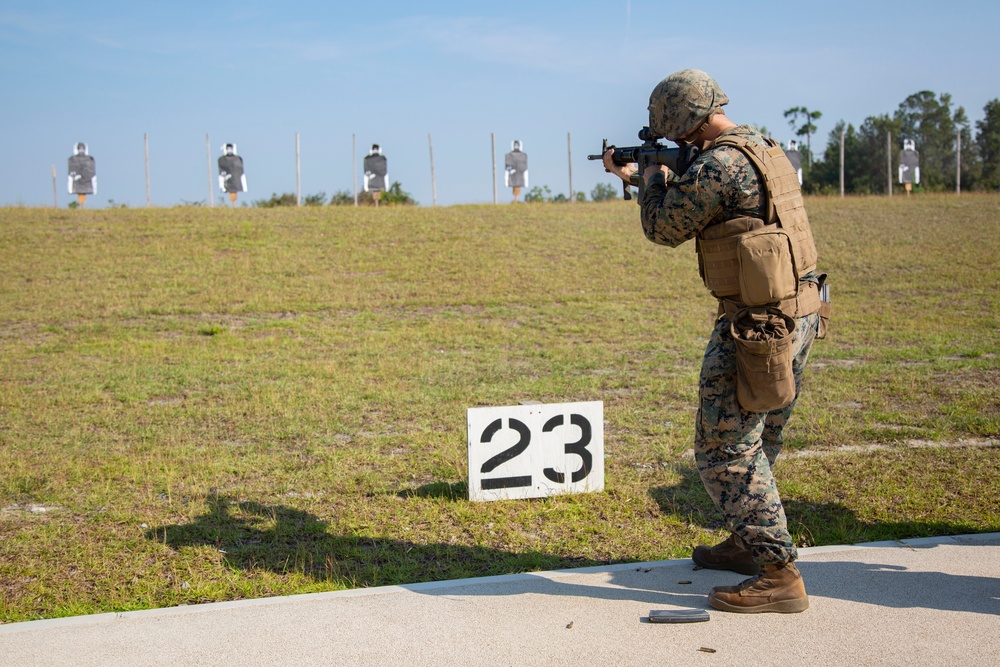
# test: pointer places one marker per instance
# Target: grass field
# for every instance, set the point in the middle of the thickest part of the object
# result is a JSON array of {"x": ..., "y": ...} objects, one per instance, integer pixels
[{"x": 201, "y": 405}]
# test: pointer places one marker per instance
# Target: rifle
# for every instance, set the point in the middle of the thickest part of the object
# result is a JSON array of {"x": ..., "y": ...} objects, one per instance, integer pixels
[{"x": 651, "y": 152}]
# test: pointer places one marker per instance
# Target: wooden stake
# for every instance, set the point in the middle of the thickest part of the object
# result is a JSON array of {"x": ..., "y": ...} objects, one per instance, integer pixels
[
  {"x": 211, "y": 187},
  {"x": 493, "y": 142},
  {"x": 354, "y": 166},
  {"x": 569, "y": 151},
  {"x": 434, "y": 191},
  {"x": 517, "y": 191},
  {"x": 842, "y": 163},
  {"x": 232, "y": 198},
  {"x": 81, "y": 200},
  {"x": 888, "y": 157},
  {"x": 55, "y": 190},
  {"x": 298, "y": 173},
  {"x": 145, "y": 143},
  {"x": 958, "y": 162}
]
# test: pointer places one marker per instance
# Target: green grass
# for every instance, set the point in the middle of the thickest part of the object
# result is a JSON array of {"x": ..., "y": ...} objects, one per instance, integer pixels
[{"x": 201, "y": 405}]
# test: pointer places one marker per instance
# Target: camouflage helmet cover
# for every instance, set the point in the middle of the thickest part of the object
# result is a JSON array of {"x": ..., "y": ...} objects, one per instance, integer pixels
[{"x": 681, "y": 101}]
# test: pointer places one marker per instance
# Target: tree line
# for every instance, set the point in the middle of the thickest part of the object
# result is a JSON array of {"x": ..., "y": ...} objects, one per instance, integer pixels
[
  {"x": 941, "y": 133},
  {"x": 396, "y": 196}
]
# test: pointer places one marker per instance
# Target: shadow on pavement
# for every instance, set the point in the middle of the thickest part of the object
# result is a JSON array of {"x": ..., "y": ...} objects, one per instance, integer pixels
[
  {"x": 882, "y": 585},
  {"x": 898, "y": 587},
  {"x": 280, "y": 539}
]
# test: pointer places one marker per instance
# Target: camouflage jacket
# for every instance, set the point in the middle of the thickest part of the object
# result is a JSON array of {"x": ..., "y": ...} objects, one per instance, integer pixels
[{"x": 719, "y": 185}]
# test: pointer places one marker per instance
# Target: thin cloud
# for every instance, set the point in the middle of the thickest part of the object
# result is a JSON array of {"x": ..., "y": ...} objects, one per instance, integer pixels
[
  {"x": 23, "y": 25},
  {"x": 501, "y": 42},
  {"x": 128, "y": 34},
  {"x": 104, "y": 33}
]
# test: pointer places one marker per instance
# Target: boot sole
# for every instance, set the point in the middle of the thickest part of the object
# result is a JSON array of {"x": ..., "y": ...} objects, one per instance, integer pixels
[
  {"x": 749, "y": 569},
  {"x": 782, "y": 607}
]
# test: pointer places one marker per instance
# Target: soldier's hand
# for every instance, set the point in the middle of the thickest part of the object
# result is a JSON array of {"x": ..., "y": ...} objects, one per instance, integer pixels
[
  {"x": 622, "y": 172},
  {"x": 653, "y": 169}
]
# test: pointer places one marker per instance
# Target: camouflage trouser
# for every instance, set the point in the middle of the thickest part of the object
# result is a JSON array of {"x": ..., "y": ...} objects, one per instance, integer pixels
[{"x": 735, "y": 449}]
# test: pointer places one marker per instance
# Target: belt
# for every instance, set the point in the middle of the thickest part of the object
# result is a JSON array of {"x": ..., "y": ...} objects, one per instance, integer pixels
[{"x": 806, "y": 302}]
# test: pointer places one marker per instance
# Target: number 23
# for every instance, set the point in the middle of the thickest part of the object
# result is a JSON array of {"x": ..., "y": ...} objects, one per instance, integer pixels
[{"x": 579, "y": 448}]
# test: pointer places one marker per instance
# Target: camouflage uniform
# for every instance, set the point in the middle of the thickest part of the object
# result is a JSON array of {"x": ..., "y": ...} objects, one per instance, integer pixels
[{"x": 735, "y": 450}]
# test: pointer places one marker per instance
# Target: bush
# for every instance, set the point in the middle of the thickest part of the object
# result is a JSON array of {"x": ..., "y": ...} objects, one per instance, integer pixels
[
  {"x": 289, "y": 199},
  {"x": 342, "y": 198},
  {"x": 538, "y": 193},
  {"x": 394, "y": 196},
  {"x": 284, "y": 199},
  {"x": 603, "y": 192},
  {"x": 542, "y": 193}
]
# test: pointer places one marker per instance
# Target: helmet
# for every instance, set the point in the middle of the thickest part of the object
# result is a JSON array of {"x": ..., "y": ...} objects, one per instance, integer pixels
[{"x": 681, "y": 101}]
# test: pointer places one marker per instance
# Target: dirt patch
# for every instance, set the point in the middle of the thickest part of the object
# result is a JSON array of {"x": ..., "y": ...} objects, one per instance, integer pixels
[
  {"x": 910, "y": 444},
  {"x": 835, "y": 363}
]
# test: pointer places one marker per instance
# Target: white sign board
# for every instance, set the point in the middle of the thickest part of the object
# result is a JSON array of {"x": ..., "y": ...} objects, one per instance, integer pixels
[{"x": 535, "y": 451}]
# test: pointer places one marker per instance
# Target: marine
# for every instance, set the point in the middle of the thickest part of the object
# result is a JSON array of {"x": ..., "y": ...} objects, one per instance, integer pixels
[{"x": 740, "y": 200}]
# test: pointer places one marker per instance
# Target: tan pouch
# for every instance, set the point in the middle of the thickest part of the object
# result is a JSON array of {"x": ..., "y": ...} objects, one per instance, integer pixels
[
  {"x": 767, "y": 271},
  {"x": 764, "y": 377},
  {"x": 825, "y": 308},
  {"x": 717, "y": 264}
]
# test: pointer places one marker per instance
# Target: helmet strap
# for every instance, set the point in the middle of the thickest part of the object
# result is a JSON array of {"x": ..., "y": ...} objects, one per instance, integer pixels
[{"x": 698, "y": 130}]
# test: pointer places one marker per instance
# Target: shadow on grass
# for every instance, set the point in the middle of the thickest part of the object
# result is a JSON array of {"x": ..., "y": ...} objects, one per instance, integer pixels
[
  {"x": 440, "y": 490},
  {"x": 811, "y": 523},
  {"x": 280, "y": 539}
]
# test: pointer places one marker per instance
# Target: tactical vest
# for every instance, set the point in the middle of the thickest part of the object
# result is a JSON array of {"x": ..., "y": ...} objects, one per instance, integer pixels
[{"x": 718, "y": 245}]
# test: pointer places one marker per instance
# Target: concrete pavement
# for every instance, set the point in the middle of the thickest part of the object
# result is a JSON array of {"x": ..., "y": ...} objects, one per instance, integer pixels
[{"x": 932, "y": 601}]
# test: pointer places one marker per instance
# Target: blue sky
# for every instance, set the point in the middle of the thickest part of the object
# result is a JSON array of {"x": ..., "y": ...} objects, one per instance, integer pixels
[{"x": 256, "y": 73}]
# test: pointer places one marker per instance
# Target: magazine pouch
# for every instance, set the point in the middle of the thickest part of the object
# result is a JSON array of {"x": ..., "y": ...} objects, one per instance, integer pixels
[{"x": 767, "y": 271}]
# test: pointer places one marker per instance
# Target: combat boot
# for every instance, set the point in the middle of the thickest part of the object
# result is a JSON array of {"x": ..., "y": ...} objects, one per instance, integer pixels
[
  {"x": 777, "y": 588},
  {"x": 732, "y": 554}
]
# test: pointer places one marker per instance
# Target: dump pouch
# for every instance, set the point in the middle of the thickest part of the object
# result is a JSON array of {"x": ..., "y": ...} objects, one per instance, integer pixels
[
  {"x": 767, "y": 271},
  {"x": 764, "y": 353}
]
